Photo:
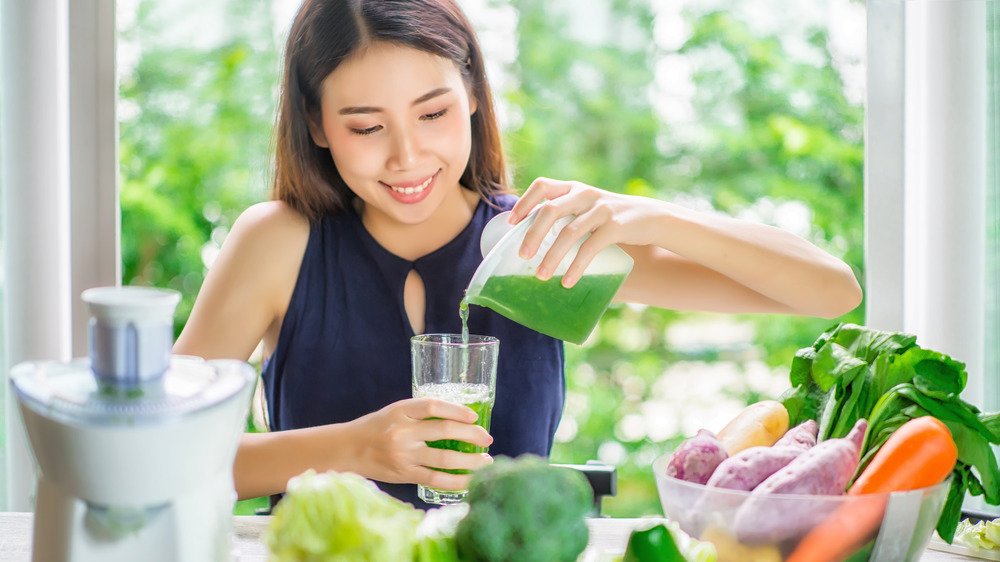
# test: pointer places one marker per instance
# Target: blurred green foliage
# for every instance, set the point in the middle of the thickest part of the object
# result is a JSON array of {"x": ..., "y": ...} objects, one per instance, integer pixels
[
  {"x": 195, "y": 126},
  {"x": 588, "y": 116},
  {"x": 766, "y": 130}
]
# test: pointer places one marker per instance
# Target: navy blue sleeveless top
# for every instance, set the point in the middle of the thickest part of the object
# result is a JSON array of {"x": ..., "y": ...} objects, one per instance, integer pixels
[{"x": 344, "y": 346}]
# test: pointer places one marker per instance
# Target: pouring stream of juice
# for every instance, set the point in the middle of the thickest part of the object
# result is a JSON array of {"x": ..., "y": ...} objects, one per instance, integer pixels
[{"x": 463, "y": 313}]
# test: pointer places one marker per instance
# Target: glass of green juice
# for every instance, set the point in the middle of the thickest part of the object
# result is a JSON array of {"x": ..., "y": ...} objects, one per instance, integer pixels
[{"x": 463, "y": 372}]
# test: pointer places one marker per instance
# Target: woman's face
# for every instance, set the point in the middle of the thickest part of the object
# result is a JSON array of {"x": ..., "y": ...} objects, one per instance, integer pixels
[{"x": 396, "y": 121}]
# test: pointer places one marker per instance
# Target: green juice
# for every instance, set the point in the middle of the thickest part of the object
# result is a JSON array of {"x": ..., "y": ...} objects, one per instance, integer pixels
[
  {"x": 476, "y": 397},
  {"x": 463, "y": 315},
  {"x": 547, "y": 306},
  {"x": 484, "y": 410}
]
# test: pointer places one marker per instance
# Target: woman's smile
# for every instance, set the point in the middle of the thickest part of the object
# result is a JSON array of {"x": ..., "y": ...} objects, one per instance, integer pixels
[{"x": 413, "y": 191}]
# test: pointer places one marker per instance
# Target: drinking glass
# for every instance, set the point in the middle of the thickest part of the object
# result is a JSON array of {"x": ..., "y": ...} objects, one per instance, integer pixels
[{"x": 463, "y": 373}]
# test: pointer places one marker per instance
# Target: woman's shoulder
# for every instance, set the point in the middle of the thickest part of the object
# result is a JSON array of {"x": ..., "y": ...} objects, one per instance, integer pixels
[
  {"x": 274, "y": 215},
  {"x": 271, "y": 230},
  {"x": 269, "y": 220}
]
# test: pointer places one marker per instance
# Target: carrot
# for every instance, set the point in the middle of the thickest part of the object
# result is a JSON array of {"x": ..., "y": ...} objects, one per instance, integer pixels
[
  {"x": 919, "y": 454},
  {"x": 844, "y": 531}
]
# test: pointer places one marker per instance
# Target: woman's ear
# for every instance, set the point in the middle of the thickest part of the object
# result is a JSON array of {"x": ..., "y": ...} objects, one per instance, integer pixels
[
  {"x": 473, "y": 104},
  {"x": 316, "y": 129}
]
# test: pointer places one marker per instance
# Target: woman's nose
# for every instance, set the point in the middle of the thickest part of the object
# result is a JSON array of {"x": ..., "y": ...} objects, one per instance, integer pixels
[{"x": 404, "y": 151}]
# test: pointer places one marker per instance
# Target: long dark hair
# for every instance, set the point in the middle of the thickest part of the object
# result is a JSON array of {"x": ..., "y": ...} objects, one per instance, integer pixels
[{"x": 324, "y": 34}]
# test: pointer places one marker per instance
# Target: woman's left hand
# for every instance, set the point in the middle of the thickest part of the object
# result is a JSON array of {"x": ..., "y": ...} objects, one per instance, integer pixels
[{"x": 609, "y": 218}]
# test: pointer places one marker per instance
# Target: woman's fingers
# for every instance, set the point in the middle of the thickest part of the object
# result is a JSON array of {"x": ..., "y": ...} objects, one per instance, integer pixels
[
  {"x": 440, "y": 480},
  {"x": 545, "y": 220},
  {"x": 436, "y": 430},
  {"x": 568, "y": 237},
  {"x": 599, "y": 239},
  {"x": 424, "y": 408},
  {"x": 539, "y": 190},
  {"x": 451, "y": 460}
]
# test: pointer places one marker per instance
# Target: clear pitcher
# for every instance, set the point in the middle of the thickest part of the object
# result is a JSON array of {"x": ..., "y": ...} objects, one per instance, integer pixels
[{"x": 506, "y": 283}]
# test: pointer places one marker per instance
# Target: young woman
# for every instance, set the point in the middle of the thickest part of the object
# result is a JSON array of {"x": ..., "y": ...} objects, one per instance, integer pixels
[{"x": 388, "y": 165}]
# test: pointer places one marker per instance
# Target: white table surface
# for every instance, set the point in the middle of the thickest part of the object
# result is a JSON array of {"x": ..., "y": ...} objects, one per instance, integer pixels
[{"x": 606, "y": 535}]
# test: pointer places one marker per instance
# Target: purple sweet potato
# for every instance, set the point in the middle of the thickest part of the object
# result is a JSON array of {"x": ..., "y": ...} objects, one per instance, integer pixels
[
  {"x": 695, "y": 459},
  {"x": 824, "y": 470},
  {"x": 748, "y": 468},
  {"x": 802, "y": 436}
]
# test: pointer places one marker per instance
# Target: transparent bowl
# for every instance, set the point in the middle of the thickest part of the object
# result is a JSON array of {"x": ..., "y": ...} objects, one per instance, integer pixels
[{"x": 769, "y": 528}]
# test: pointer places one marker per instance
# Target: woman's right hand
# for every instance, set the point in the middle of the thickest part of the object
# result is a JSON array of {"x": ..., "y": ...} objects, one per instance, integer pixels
[{"x": 392, "y": 443}]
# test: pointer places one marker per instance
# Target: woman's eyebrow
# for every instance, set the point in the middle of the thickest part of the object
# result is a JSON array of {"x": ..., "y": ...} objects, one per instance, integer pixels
[{"x": 369, "y": 109}]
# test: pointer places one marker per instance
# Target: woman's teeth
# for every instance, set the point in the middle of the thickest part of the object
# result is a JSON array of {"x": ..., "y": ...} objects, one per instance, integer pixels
[{"x": 411, "y": 190}]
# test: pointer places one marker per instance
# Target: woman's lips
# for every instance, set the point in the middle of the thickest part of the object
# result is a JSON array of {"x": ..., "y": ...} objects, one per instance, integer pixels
[{"x": 411, "y": 192}]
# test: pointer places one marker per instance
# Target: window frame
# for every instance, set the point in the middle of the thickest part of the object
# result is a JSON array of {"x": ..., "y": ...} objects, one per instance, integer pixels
[
  {"x": 926, "y": 181},
  {"x": 59, "y": 186},
  {"x": 925, "y": 162}
]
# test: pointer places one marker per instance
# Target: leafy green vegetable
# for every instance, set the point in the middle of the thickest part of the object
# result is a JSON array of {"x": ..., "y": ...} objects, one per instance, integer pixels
[
  {"x": 984, "y": 535},
  {"x": 525, "y": 510},
  {"x": 853, "y": 372},
  {"x": 340, "y": 517},
  {"x": 436, "y": 534}
]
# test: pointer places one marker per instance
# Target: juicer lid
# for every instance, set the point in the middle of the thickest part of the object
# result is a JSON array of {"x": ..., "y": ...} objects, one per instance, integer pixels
[{"x": 71, "y": 393}]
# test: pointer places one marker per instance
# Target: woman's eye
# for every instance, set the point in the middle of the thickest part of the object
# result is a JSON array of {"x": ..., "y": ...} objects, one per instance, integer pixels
[
  {"x": 435, "y": 115},
  {"x": 367, "y": 131}
]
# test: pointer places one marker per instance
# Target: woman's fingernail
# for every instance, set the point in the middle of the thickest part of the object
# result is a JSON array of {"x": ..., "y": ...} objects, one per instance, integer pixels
[{"x": 568, "y": 281}]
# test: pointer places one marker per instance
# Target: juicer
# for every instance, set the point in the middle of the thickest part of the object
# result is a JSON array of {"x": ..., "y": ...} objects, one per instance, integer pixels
[{"x": 134, "y": 446}]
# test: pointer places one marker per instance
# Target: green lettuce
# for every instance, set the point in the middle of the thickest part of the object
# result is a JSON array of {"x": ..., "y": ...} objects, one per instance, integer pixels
[
  {"x": 340, "y": 517},
  {"x": 436, "y": 534},
  {"x": 984, "y": 535}
]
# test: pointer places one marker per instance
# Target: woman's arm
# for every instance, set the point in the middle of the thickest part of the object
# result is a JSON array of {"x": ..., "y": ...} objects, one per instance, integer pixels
[
  {"x": 388, "y": 445},
  {"x": 689, "y": 260},
  {"x": 248, "y": 287},
  {"x": 244, "y": 299}
]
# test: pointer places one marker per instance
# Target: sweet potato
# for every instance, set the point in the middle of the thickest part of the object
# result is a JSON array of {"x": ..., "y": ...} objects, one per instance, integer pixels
[
  {"x": 748, "y": 468},
  {"x": 824, "y": 470},
  {"x": 801, "y": 436},
  {"x": 758, "y": 425},
  {"x": 695, "y": 459}
]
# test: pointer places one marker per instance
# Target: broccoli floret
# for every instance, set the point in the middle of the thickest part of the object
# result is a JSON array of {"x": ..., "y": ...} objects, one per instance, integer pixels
[{"x": 525, "y": 510}]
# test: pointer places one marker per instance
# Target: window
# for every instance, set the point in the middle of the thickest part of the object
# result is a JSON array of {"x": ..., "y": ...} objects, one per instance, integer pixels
[
  {"x": 932, "y": 181},
  {"x": 4, "y": 407},
  {"x": 992, "y": 395},
  {"x": 752, "y": 109},
  {"x": 60, "y": 227}
]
